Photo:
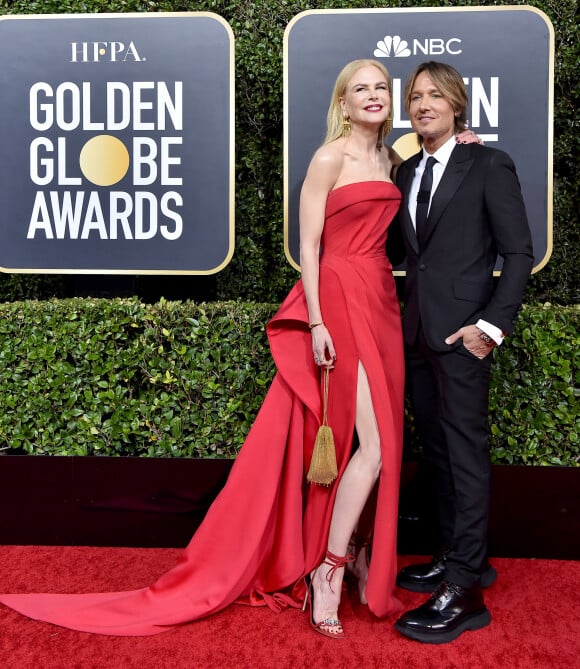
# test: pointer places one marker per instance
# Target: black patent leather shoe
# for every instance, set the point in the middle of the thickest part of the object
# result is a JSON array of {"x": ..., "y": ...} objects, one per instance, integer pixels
[
  {"x": 426, "y": 577},
  {"x": 450, "y": 611}
]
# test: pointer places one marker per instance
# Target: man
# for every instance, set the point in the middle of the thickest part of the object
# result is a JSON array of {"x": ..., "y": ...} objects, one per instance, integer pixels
[{"x": 454, "y": 316}]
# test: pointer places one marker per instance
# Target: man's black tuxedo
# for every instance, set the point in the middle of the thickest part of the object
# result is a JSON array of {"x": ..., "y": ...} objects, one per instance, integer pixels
[{"x": 476, "y": 213}]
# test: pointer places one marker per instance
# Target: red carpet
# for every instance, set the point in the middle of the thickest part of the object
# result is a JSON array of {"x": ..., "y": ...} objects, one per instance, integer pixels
[{"x": 535, "y": 606}]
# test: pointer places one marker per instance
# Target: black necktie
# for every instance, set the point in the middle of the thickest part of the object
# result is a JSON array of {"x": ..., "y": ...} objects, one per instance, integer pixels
[{"x": 423, "y": 197}]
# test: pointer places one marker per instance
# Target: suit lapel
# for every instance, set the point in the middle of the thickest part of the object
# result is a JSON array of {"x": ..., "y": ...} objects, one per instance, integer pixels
[
  {"x": 405, "y": 186},
  {"x": 459, "y": 164}
]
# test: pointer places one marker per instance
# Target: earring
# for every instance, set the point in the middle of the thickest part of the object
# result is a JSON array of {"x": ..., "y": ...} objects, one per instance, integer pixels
[
  {"x": 346, "y": 127},
  {"x": 385, "y": 130}
]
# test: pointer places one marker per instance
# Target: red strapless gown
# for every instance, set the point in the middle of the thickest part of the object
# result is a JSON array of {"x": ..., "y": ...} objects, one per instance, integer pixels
[{"x": 267, "y": 528}]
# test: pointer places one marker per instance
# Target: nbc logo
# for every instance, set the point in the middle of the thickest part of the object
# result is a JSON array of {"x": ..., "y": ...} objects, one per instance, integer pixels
[{"x": 394, "y": 46}]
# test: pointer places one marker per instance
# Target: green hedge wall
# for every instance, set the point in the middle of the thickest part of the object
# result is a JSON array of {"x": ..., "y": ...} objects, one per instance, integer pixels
[
  {"x": 119, "y": 377},
  {"x": 259, "y": 270}
]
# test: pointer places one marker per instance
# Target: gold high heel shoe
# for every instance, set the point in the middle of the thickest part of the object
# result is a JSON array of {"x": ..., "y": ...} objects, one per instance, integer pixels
[{"x": 335, "y": 562}]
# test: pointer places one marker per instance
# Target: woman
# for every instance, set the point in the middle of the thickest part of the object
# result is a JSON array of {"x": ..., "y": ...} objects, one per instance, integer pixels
[
  {"x": 268, "y": 532},
  {"x": 347, "y": 202}
]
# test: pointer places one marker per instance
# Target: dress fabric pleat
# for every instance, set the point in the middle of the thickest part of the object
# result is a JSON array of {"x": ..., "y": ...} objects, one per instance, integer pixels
[{"x": 267, "y": 527}]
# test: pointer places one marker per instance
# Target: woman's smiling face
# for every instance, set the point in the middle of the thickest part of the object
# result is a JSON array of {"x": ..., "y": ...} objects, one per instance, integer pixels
[{"x": 366, "y": 98}]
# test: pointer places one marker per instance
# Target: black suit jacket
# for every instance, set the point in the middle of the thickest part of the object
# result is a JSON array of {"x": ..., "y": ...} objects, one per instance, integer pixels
[{"x": 477, "y": 212}]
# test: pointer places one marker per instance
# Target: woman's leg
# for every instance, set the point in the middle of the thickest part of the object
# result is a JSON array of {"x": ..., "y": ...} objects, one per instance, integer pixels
[
  {"x": 353, "y": 491},
  {"x": 360, "y": 544}
]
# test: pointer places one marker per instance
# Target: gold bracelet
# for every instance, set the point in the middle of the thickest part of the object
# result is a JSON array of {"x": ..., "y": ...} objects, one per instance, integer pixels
[{"x": 313, "y": 325}]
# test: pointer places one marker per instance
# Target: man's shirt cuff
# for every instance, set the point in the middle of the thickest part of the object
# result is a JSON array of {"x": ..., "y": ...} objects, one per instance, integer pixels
[{"x": 491, "y": 330}]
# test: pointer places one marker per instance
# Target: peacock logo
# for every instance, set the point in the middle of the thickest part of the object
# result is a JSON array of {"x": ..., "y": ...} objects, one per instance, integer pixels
[{"x": 392, "y": 46}]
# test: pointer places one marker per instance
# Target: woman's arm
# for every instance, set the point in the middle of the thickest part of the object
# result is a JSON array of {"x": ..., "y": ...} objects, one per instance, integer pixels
[
  {"x": 395, "y": 160},
  {"x": 320, "y": 179}
]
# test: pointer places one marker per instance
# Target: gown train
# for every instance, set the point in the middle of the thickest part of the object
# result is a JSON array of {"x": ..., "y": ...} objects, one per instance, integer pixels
[{"x": 267, "y": 527}]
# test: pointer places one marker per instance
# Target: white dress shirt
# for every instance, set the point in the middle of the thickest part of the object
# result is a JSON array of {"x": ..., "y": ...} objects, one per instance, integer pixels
[{"x": 442, "y": 156}]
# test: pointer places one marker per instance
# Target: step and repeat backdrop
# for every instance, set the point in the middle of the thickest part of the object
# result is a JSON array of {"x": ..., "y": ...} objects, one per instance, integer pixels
[{"x": 117, "y": 131}]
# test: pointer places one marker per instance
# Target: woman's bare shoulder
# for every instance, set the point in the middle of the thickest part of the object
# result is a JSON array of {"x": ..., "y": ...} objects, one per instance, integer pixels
[
  {"x": 327, "y": 161},
  {"x": 329, "y": 154}
]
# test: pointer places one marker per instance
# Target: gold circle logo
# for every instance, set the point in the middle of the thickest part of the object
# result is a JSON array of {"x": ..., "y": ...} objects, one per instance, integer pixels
[
  {"x": 104, "y": 160},
  {"x": 407, "y": 145}
]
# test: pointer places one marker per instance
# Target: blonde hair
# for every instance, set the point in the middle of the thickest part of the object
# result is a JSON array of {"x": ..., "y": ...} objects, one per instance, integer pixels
[
  {"x": 450, "y": 84},
  {"x": 334, "y": 117}
]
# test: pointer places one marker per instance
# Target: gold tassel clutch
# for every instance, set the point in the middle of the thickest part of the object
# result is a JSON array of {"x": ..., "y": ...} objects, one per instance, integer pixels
[{"x": 323, "y": 469}]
